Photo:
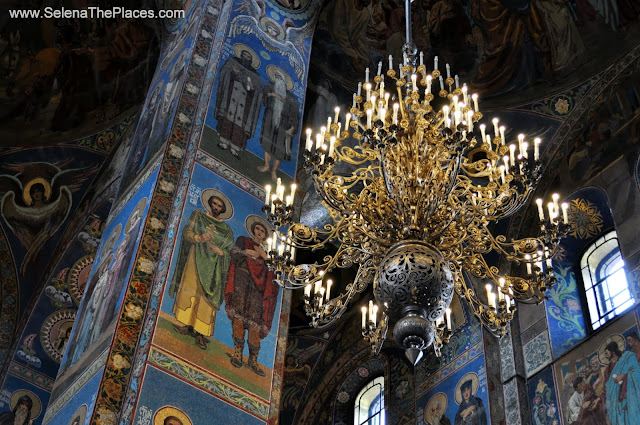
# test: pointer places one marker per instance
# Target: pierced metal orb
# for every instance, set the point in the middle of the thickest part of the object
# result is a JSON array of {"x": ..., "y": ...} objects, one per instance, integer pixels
[{"x": 413, "y": 273}]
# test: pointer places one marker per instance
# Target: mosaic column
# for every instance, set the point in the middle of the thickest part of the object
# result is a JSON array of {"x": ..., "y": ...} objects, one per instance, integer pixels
[{"x": 201, "y": 329}]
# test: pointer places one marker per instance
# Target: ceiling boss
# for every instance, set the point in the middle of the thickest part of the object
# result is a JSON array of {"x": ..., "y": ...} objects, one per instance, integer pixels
[{"x": 426, "y": 181}]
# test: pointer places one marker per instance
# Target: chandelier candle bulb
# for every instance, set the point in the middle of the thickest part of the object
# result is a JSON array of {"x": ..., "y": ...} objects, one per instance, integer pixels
[
  {"x": 540, "y": 209},
  {"x": 512, "y": 154},
  {"x": 536, "y": 149},
  {"x": 421, "y": 59},
  {"x": 274, "y": 197},
  {"x": 386, "y": 99},
  {"x": 448, "y": 71},
  {"x": 502, "y": 175},
  {"x": 321, "y": 297},
  {"x": 375, "y": 314},
  {"x": 369, "y": 114},
  {"x": 368, "y": 88},
  {"x": 354, "y": 101},
  {"x": 502, "y": 129},
  {"x": 429, "y": 78},
  {"x": 337, "y": 111},
  {"x": 267, "y": 189},
  {"x": 396, "y": 106},
  {"x": 288, "y": 200},
  {"x": 366, "y": 75},
  {"x": 347, "y": 120},
  {"x": 474, "y": 97},
  {"x": 390, "y": 62},
  {"x": 457, "y": 81},
  {"x": 520, "y": 140},
  {"x": 551, "y": 207},
  {"x": 447, "y": 315},
  {"x": 441, "y": 83},
  {"x": 527, "y": 257},
  {"x": 435, "y": 63},
  {"x": 379, "y": 68},
  {"x": 364, "y": 309},
  {"x": 565, "y": 212},
  {"x": 465, "y": 95},
  {"x": 414, "y": 81},
  {"x": 332, "y": 143},
  {"x": 470, "y": 120},
  {"x": 483, "y": 131},
  {"x": 525, "y": 146},
  {"x": 329, "y": 283},
  {"x": 370, "y": 310},
  {"x": 495, "y": 127},
  {"x": 359, "y": 89},
  {"x": 308, "y": 144},
  {"x": 381, "y": 90},
  {"x": 329, "y": 124},
  {"x": 556, "y": 198}
]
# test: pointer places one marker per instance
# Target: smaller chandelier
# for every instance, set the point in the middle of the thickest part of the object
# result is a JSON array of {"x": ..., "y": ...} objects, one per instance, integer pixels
[{"x": 412, "y": 182}]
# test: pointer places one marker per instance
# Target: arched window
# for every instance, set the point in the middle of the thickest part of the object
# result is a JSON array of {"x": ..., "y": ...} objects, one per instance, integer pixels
[
  {"x": 605, "y": 281},
  {"x": 369, "y": 405}
]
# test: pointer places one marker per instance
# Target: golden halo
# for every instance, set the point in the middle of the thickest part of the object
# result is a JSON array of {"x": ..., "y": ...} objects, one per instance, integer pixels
[
  {"x": 137, "y": 211},
  {"x": 266, "y": 21},
  {"x": 81, "y": 413},
  {"x": 618, "y": 339},
  {"x": 238, "y": 48},
  {"x": 111, "y": 240},
  {"x": 473, "y": 377},
  {"x": 26, "y": 192},
  {"x": 166, "y": 411},
  {"x": 36, "y": 408},
  {"x": 439, "y": 397},
  {"x": 252, "y": 219},
  {"x": 271, "y": 70},
  {"x": 208, "y": 193}
]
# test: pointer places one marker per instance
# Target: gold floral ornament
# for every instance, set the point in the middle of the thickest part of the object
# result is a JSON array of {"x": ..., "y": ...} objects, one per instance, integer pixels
[
  {"x": 120, "y": 362},
  {"x": 585, "y": 218},
  {"x": 562, "y": 106},
  {"x": 133, "y": 311}
]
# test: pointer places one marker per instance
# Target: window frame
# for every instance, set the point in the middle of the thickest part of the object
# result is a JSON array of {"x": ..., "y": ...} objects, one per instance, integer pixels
[
  {"x": 604, "y": 263},
  {"x": 380, "y": 414}
]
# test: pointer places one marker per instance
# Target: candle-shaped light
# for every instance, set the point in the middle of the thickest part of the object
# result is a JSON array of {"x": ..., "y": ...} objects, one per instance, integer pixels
[
  {"x": 435, "y": 63},
  {"x": 368, "y": 88},
  {"x": 379, "y": 68},
  {"x": 364, "y": 309},
  {"x": 502, "y": 174},
  {"x": 369, "y": 115},
  {"x": 396, "y": 107},
  {"x": 565, "y": 212},
  {"x": 421, "y": 58},
  {"x": 288, "y": 200},
  {"x": 527, "y": 259},
  {"x": 536, "y": 148},
  {"x": 474, "y": 97},
  {"x": 359, "y": 89},
  {"x": 414, "y": 81},
  {"x": 366, "y": 75},
  {"x": 390, "y": 62},
  {"x": 470, "y": 120},
  {"x": 329, "y": 283},
  {"x": 337, "y": 113},
  {"x": 512, "y": 154},
  {"x": 347, "y": 120},
  {"x": 267, "y": 189},
  {"x": 520, "y": 140},
  {"x": 441, "y": 82},
  {"x": 309, "y": 142},
  {"x": 483, "y": 132},
  {"x": 429, "y": 78},
  {"x": 375, "y": 314},
  {"x": 447, "y": 315},
  {"x": 448, "y": 71},
  {"x": 321, "y": 297},
  {"x": 496, "y": 131},
  {"x": 551, "y": 209},
  {"x": 556, "y": 198},
  {"x": 370, "y": 311},
  {"x": 465, "y": 94},
  {"x": 525, "y": 146},
  {"x": 332, "y": 143},
  {"x": 354, "y": 101},
  {"x": 502, "y": 129},
  {"x": 540, "y": 209},
  {"x": 457, "y": 81},
  {"x": 489, "y": 294}
]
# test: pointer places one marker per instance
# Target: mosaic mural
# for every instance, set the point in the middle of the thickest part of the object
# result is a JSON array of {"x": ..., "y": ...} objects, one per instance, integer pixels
[
  {"x": 219, "y": 287},
  {"x": 253, "y": 122},
  {"x": 62, "y": 79},
  {"x": 461, "y": 398},
  {"x": 104, "y": 289},
  {"x": 590, "y": 216},
  {"x": 599, "y": 380}
]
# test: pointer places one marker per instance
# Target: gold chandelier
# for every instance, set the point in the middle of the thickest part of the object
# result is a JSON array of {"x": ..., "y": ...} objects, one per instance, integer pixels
[{"x": 425, "y": 182}]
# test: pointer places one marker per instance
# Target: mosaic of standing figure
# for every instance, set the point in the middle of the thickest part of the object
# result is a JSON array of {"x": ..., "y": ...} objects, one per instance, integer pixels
[
  {"x": 104, "y": 290},
  {"x": 221, "y": 302},
  {"x": 253, "y": 123}
]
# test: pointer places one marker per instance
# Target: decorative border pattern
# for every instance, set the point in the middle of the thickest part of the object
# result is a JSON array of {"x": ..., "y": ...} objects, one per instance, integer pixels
[
  {"x": 210, "y": 383},
  {"x": 104, "y": 140},
  {"x": 537, "y": 354},
  {"x": 230, "y": 174},
  {"x": 449, "y": 369},
  {"x": 31, "y": 376}
]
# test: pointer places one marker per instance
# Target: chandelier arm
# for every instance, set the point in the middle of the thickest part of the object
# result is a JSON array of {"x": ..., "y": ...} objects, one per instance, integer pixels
[{"x": 494, "y": 320}]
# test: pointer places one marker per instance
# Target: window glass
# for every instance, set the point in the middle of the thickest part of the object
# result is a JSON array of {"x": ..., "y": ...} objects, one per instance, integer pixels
[
  {"x": 369, "y": 406},
  {"x": 605, "y": 280}
]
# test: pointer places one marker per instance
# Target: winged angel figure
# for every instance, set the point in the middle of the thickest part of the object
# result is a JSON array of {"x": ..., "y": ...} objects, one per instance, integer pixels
[
  {"x": 275, "y": 37},
  {"x": 36, "y": 201}
]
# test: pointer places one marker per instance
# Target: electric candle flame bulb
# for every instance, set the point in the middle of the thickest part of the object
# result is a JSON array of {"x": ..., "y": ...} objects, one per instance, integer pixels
[
  {"x": 540, "y": 209},
  {"x": 267, "y": 188},
  {"x": 474, "y": 97},
  {"x": 448, "y": 316},
  {"x": 565, "y": 212},
  {"x": 364, "y": 313}
]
